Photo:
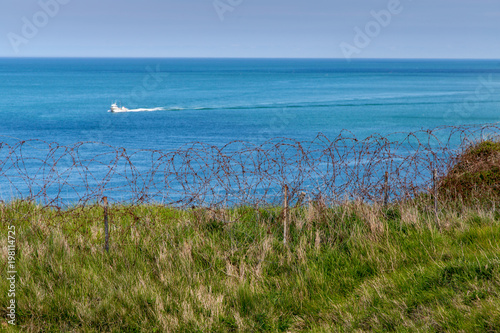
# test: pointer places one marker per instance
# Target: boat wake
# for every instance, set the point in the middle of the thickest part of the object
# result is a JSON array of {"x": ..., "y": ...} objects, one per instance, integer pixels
[{"x": 146, "y": 109}]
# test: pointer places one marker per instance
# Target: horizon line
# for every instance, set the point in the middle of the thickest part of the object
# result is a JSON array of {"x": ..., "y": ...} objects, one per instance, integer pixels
[{"x": 243, "y": 58}]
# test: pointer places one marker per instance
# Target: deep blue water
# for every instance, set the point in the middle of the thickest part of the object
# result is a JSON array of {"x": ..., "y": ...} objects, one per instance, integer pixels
[
  {"x": 220, "y": 100},
  {"x": 217, "y": 101}
]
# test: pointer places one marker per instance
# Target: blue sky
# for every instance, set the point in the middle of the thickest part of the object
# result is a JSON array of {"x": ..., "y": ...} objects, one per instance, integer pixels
[{"x": 251, "y": 28}]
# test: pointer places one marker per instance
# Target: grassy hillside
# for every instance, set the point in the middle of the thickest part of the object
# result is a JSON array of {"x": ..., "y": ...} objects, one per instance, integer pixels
[{"x": 349, "y": 268}]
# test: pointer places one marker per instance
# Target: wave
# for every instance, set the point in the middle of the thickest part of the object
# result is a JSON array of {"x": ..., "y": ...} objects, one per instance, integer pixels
[
  {"x": 361, "y": 102},
  {"x": 320, "y": 105}
]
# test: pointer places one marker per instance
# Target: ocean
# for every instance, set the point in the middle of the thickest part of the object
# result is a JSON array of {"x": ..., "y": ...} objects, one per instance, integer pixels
[
  {"x": 220, "y": 100},
  {"x": 175, "y": 102}
]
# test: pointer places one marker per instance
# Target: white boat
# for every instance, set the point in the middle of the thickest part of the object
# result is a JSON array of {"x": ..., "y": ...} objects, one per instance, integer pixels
[{"x": 116, "y": 108}]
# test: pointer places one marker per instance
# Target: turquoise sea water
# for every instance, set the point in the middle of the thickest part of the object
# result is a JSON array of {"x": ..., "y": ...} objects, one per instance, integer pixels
[
  {"x": 215, "y": 101},
  {"x": 220, "y": 100}
]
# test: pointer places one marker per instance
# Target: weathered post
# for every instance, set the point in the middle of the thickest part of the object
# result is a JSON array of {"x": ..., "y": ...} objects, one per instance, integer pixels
[
  {"x": 106, "y": 226},
  {"x": 285, "y": 212},
  {"x": 386, "y": 189},
  {"x": 435, "y": 190}
]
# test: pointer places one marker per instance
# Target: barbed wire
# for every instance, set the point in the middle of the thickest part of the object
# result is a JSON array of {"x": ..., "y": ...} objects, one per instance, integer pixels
[{"x": 330, "y": 170}]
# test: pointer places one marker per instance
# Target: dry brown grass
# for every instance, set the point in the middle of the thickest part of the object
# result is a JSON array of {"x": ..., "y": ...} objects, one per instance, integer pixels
[
  {"x": 351, "y": 268},
  {"x": 476, "y": 174}
]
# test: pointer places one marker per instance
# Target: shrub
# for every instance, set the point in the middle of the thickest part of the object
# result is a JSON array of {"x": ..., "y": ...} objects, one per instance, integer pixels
[{"x": 476, "y": 173}]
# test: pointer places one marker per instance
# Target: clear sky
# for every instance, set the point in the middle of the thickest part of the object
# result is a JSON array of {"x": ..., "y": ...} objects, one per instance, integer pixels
[{"x": 251, "y": 28}]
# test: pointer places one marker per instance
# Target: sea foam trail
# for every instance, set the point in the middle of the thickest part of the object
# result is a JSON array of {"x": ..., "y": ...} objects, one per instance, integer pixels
[
  {"x": 150, "y": 109},
  {"x": 146, "y": 110}
]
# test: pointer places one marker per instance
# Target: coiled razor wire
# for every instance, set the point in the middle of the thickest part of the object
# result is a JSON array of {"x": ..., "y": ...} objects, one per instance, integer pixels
[{"x": 239, "y": 173}]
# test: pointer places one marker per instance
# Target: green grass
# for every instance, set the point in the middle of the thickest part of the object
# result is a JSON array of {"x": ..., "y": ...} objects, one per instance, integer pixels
[{"x": 350, "y": 268}]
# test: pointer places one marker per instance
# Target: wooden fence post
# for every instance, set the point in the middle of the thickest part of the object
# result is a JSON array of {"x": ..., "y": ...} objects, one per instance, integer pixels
[
  {"x": 106, "y": 226},
  {"x": 285, "y": 212},
  {"x": 386, "y": 188},
  {"x": 435, "y": 190}
]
